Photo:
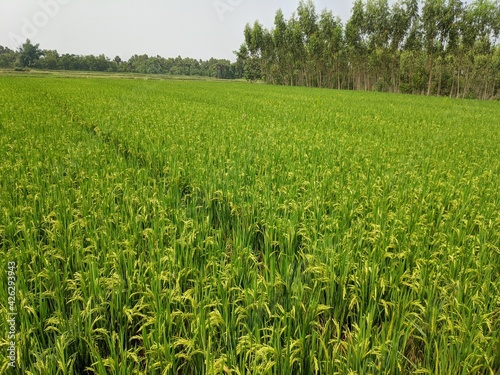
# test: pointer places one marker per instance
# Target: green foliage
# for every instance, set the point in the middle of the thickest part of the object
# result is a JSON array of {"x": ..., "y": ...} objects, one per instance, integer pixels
[
  {"x": 443, "y": 38},
  {"x": 168, "y": 227},
  {"x": 29, "y": 54}
]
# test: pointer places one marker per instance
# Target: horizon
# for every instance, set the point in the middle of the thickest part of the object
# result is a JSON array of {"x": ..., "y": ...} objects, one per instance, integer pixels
[{"x": 198, "y": 29}]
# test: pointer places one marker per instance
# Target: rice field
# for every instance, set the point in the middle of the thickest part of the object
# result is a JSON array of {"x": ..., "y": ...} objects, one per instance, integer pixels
[{"x": 170, "y": 227}]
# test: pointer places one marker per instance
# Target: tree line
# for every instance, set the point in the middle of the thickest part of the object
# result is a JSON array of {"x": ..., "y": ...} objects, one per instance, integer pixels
[
  {"x": 432, "y": 47},
  {"x": 30, "y": 55}
]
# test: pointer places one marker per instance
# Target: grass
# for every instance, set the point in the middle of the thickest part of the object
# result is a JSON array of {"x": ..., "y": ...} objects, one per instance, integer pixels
[
  {"x": 171, "y": 227},
  {"x": 5, "y": 72}
]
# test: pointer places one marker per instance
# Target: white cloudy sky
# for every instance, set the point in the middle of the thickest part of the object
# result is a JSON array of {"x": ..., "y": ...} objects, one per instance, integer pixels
[{"x": 190, "y": 28}]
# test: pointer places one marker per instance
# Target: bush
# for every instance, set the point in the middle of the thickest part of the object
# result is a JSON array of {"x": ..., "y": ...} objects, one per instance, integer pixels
[{"x": 405, "y": 88}]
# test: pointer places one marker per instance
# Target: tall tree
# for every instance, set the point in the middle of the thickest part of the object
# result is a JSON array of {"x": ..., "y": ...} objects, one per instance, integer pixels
[
  {"x": 445, "y": 49},
  {"x": 378, "y": 32},
  {"x": 330, "y": 33},
  {"x": 282, "y": 57},
  {"x": 400, "y": 25},
  {"x": 355, "y": 39},
  {"x": 431, "y": 14},
  {"x": 29, "y": 54},
  {"x": 308, "y": 23}
]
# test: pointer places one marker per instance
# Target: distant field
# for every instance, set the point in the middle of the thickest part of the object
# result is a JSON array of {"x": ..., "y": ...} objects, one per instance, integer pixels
[
  {"x": 178, "y": 227},
  {"x": 94, "y": 74}
]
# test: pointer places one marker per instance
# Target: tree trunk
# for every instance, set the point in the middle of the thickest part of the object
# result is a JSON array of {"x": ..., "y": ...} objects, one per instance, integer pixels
[
  {"x": 320, "y": 78},
  {"x": 440, "y": 78},
  {"x": 431, "y": 67},
  {"x": 410, "y": 78},
  {"x": 338, "y": 75},
  {"x": 485, "y": 94},
  {"x": 466, "y": 84},
  {"x": 393, "y": 74}
]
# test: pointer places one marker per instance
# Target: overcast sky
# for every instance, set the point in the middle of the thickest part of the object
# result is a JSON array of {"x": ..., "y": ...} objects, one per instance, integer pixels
[{"x": 169, "y": 28}]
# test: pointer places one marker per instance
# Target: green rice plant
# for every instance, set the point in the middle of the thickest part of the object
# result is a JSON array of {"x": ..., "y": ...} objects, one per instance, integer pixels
[{"x": 165, "y": 227}]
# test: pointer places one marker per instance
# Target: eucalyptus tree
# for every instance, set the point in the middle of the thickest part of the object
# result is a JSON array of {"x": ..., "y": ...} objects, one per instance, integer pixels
[
  {"x": 400, "y": 25},
  {"x": 355, "y": 40},
  {"x": 412, "y": 57},
  {"x": 268, "y": 55},
  {"x": 377, "y": 23},
  {"x": 308, "y": 21},
  {"x": 249, "y": 64},
  {"x": 283, "y": 58},
  {"x": 252, "y": 51},
  {"x": 431, "y": 14},
  {"x": 446, "y": 47},
  {"x": 485, "y": 21},
  {"x": 297, "y": 49},
  {"x": 474, "y": 44},
  {"x": 331, "y": 36},
  {"x": 448, "y": 26}
]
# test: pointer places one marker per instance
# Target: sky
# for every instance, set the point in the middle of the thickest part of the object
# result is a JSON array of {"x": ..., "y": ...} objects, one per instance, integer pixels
[{"x": 198, "y": 29}]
